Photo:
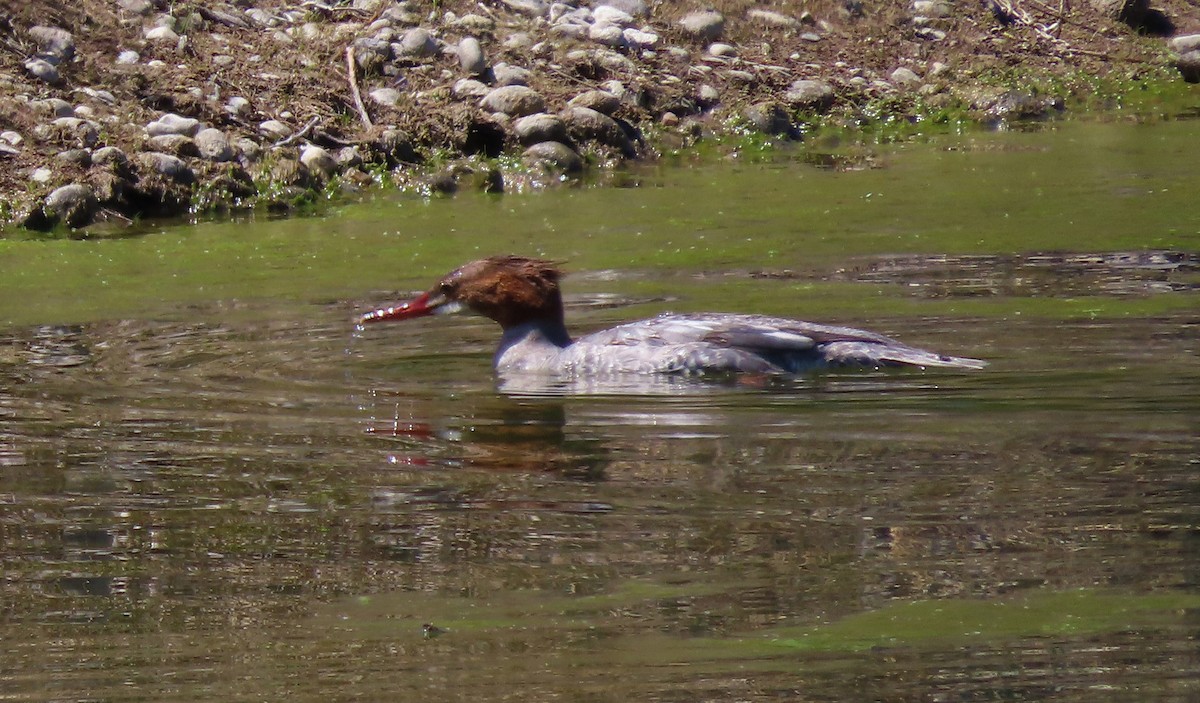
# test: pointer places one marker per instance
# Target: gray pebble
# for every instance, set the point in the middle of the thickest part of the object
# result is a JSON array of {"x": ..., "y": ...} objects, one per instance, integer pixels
[
  {"x": 41, "y": 175},
  {"x": 506, "y": 74},
  {"x": 540, "y": 127},
  {"x": 533, "y": 8},
  {"x": 12, "y": 138},
  {"x": 176, "y": 144},
  {"x": 810, "y": 94},
  {"x": 170, "y": 123},
  {"x": 137, "y": 7},
  {"x": 1185, "y": 43},
  {"x": 162, "y": 34},
  {"x": 607, "y": 14},
  {"x": 723, "y": 50},
  {"x": 109, "y": 156},
  {"x": 607, "y": 35},
  {"x": 470, "y": 57},
  {"x": 772, "y": 19},
  {"x": 584, "y": 124},
  {"x": 78, "y": 157},
  {"x": 904, "y": 76},
  {"x": 388, "y": 97},
  {"x": 635, "y": 8},
  {"x": 639, "y": 39},
  {"x": 54, "y": 107},
  {"x": 43, "y": 70},
  {"x": 54, "y": 43},
  {"x": 83, "y": 133},
  {"x": 554, "y": 155},
  {"x": 73, "y": 204},
  {"x": 167, "y": 165},
  {"x": 238, "y": 106},
  {"x": 468, "y": 89},
  {"x": 417, "y": 43},
  {"x": 706, "y": 25},
  {"x": 1188, "y": 64},
  {"x": 274, "y": 129},
  {"x": 513, "y": 100},
  {"x": 318, "y": 160},
  {"x": 599, "y": 100},
  {"x": 212, "y": 144},
  {"x": 128, "y": 57},
  {"x": 768, "y": 118}
]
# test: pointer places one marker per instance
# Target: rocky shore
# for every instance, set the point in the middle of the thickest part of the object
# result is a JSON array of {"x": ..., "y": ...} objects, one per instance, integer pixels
[{"x": 114, "y": 110}]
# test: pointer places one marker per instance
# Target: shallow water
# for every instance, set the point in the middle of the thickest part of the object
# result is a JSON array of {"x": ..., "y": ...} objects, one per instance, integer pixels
[{"x": 213, "y": 487}]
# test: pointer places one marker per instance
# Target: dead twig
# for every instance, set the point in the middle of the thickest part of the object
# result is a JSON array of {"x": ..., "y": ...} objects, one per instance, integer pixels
[
  {"x": 358, "y": 101},
  {"x": 299, "y": 135}
]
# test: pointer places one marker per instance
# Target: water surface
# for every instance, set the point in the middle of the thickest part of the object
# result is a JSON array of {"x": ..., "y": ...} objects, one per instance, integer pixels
[{"x": 212, "y": 487}]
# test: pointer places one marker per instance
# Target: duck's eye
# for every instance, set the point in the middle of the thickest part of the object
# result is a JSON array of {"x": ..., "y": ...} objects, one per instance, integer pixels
[{"x": 446, "y": 288}]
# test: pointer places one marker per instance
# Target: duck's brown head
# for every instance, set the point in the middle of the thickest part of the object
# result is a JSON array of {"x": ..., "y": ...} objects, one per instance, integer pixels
[{"x": 511, "y": 290}]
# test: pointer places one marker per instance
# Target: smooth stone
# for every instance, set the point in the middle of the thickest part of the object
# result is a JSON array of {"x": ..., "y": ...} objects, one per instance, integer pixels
[
  {"x": 607, "y": 14},
  {"x": 78, "y": 157},
  {"x": 56, "y": 107},
  {"x": 706, "y": 25},
  {"x": 41, "y": 175},
  {"x": 170, "y": 123},
  {"x": 128, "y": 56},
  {"x": 417, "y": 43},
  {"x": 506, "y": 74},
  {"x": 639, "y": 39},
  {"x": 540, "y": 127},
  {"x": 109, "y": 156},
  {"x": 722, "y": 50},
  {"x": 555, "y": 155},
  {"x": 809, "y": 94},
  {"x": 238, "y": 106},
  {"x": 577, "y": 32},
  {"x": 73, "y": 204},
  {"x": 274, "y": 129},
  {"x": 212, "y": 144},
  {"x": 162, "y": 34},
  {"x": 470, "y": 57},
  {"x": 533, "y": 8},
  {"x": 137, "y": 7},
  {"x": 318, "y": 160},
  {"x": 610, "y": 35},
  {"x": 103, "y": 96},
  {"x": 248, "y": 150},
  {"x": 707, "y": 94},
  {"x": 772, "y": 19},
  {"x": 473, "y": 23},
  {"x": 469, "y": 88},
  {"x": 53, "y": 41},
  {"x": 1188, "y": 64},
  {"x": 370, "y": 54},
  {"x": 43, "y": 70},
  {"x": 388, "y": 97},
  {"x": 937, "y": 9},
  {"x": 904, "y": 76},
  {"x": 514, "y": 100},
  {"x": 85, "y": 132},
  {"x": 599, "y": 100},
  {"x": 634, "y": 8},
  {"x": 1185, "y": 43},
  {"x": 584, "y": 123},
  {"x": 10, "y": 137},
  {"x": 768, "y": 118},
  {"x": 167, "y": 165},
  {"x": 176, "y": 144}
]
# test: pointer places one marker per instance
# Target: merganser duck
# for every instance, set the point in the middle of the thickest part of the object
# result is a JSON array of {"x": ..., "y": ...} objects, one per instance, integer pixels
[{"x": 522, "y": 294}]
